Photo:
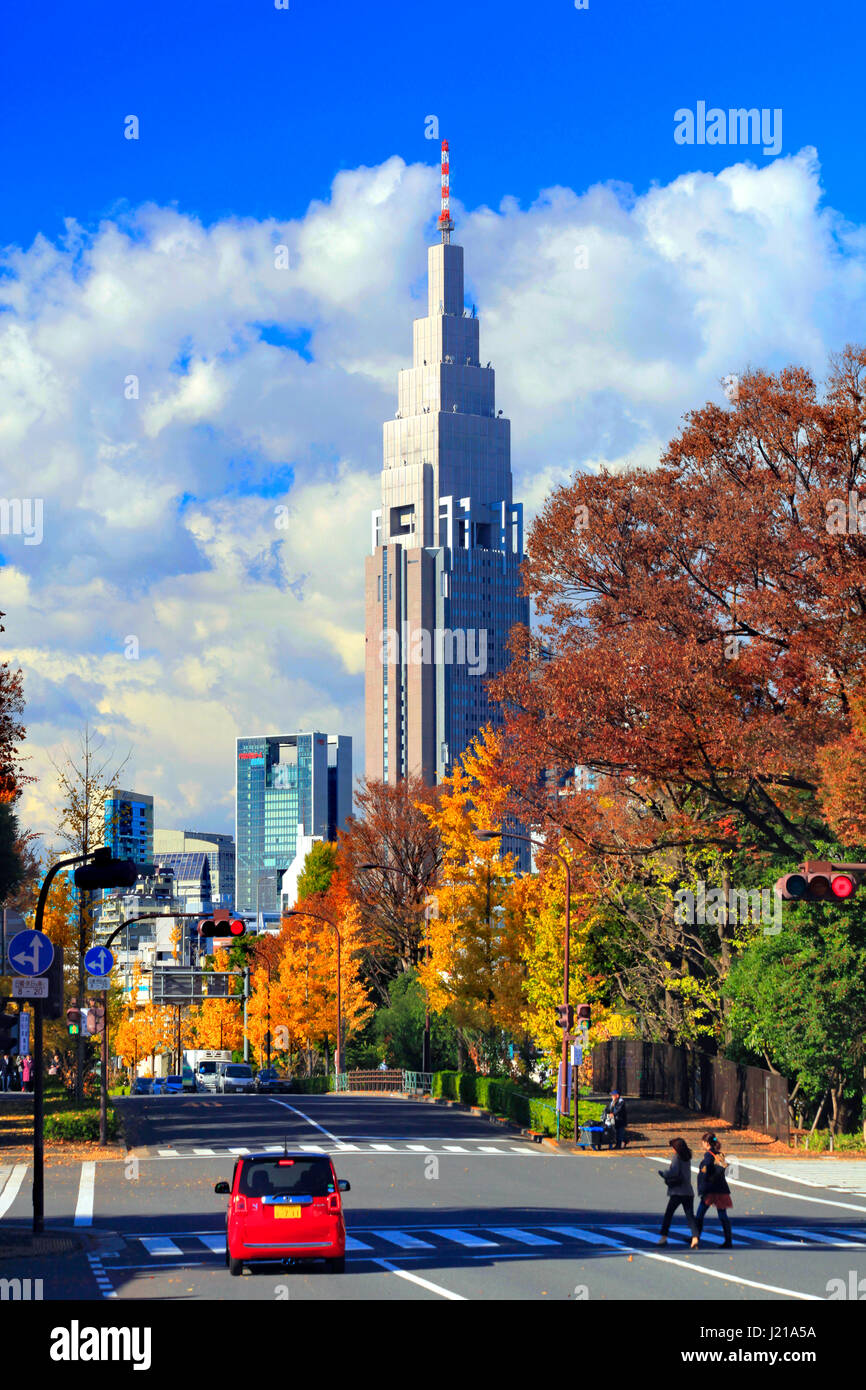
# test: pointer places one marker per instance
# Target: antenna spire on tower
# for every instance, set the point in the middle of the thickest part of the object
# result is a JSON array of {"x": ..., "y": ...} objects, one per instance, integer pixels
[{"x": 446, "y": 226}]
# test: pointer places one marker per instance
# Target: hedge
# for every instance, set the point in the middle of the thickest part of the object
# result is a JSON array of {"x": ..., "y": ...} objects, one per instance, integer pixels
[
  {"x": 504, "y": 1097},
  {"x": 312, "y": 1085},
  {"x": 73, "y": 1125}
]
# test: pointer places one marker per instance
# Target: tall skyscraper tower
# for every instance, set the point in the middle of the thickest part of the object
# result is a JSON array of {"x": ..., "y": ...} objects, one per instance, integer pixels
[{"x": 443, "y": 577}]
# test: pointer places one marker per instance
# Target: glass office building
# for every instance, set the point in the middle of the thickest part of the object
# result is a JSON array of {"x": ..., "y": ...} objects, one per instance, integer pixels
[
  {"x": 220, "y": 851},
  {"x": 286, "y": 784},
  {"x": 129, "y": 825}
]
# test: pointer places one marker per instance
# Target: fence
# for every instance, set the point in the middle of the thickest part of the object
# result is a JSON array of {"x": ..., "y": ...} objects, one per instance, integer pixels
[
  {"x": 375, "y": 1080},
  {"x": 747, "y": 1097}
]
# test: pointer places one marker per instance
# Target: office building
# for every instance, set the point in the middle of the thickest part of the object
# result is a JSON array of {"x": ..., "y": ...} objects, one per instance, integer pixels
[
  {"x": 129, "y": 825},
  {"x": 287, "y": 784},
  {"x": 220, "y": 851},
  {"x": 442, "y": 580}
]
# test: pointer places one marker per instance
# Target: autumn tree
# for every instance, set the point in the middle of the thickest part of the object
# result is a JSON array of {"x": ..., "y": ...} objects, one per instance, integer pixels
[{"x": 391, "y": 833}]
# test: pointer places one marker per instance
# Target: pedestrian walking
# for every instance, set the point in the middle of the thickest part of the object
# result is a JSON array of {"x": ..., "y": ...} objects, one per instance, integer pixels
[
  {"x": 27, "y": 1073},
  {"x": 713, "y": 1189},
  {"x": 678, "y": 1178},
  {"x": 614, "y": 1119}
]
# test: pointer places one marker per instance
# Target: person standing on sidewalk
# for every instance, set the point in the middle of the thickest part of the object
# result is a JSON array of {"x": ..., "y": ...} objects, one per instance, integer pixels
[
  {"x": 678, "y": 1178},
  {"x": 615, "y": 1118},
  {"x": 27, "y": 1073},
  {"x": 4, "y": 1071},
  {"x": 713, "y": 1189}
]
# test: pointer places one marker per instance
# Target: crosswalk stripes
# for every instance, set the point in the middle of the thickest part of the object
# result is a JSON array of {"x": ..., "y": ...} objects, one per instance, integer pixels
[
  {"x": 480, "y": 1240},
  {"x": 337, "y": 1147}
]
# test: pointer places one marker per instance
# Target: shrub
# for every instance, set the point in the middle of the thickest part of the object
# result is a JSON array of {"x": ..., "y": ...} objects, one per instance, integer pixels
[
  {"x": 78, "y": 1125},
  {"x": 312, "y": 1085},
  {"x": 505, "y": 1097}
]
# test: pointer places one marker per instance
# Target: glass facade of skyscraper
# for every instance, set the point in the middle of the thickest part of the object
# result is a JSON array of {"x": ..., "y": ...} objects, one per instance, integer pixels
[
  {"x": 283, "y": 782},
  {"x": 129, "y": 825}
]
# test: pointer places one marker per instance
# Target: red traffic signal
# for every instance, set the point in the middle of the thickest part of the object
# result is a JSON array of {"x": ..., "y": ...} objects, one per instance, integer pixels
[
  {"x": 237, "y": 926},
  {"x": 565, "y": 1016},
  {"x": 818, "y": 882}
]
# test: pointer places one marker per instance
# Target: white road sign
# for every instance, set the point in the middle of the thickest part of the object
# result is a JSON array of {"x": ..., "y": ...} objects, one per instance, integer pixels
[{"x": 24, "y": 988}]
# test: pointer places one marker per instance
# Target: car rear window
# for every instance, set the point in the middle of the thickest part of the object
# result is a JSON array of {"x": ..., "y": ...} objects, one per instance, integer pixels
[
  {"x": 238, "y": 1070},
  {"x": 299, "y": 1177}
]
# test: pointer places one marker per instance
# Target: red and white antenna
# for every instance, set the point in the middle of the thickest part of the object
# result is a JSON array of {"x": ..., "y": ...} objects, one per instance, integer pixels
[{"x": 446, "y": 226}]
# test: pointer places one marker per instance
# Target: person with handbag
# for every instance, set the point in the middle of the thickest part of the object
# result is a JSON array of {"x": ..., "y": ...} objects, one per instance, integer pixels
[
  {"x": 614, "y": 1119},
  {"x": 678, "y": 1179},
  {"x": 713, "y": 1189}
]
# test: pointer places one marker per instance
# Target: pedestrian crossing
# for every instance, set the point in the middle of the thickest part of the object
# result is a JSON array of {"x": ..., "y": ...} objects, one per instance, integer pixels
[
  {"x": 436, "y": 1148},
  {"x": 407, "y": 1241}
]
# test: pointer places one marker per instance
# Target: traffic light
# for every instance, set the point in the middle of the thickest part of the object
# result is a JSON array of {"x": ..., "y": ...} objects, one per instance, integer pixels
[
  {"x": 73, "y": 1019},
  {"x": 237, "y": 926},
  {"x": 565, "y": 1016},
  {"x": 584, "y": 1014},
  {"x": 53, "y": 1006},
  {"x": 8, "y": 1031},
  {"x": 104, "y": 871},
  {"x": 206, "y": 927},
  {"x": 816, "y": 882}
]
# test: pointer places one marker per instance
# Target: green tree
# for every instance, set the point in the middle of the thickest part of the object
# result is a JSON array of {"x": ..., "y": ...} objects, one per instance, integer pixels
[
  {"x": 798, "y": 1003},
  {"x": 399, "y": 1029},
  {"x": 318, "y": 870}
]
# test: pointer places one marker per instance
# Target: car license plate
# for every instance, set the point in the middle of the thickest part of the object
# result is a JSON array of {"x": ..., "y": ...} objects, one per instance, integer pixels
[{"x": 287, "y": 1211}]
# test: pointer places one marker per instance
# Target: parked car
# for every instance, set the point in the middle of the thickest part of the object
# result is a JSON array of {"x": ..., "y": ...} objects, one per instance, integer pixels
[
  {"x": 285, "y": 1207},
  {"x": 173, "y": 1086},
  {"x": 269, "y": 1079},
  {"x": 158, "y": 1085},
  {"x": 235, "y": 1077},
  {"x": 142, "y": 1086}
]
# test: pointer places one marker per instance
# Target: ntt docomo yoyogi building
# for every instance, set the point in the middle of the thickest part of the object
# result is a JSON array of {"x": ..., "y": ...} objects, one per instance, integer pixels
[{"x": 442, "y": 581}]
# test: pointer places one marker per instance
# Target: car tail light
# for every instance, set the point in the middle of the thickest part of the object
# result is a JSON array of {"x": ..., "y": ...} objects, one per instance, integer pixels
[
  {"x": 334, "y": 1202},
  {"x": 240, "y": 1203}
]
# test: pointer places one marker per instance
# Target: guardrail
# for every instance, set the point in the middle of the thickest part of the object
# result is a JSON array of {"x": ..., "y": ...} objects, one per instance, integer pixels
[
  {"x": 379, "y": 1080},
  {"x": 418, "y": 1082}
]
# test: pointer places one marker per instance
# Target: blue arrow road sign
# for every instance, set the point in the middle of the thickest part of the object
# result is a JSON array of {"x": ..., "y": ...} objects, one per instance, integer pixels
[
  {"x": 30, "y": 953},
  {"x": 99, "y": 960}
]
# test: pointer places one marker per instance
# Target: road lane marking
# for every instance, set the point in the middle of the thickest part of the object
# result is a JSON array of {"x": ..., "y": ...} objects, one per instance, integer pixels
[
  {"x": 516, "y": 1233},
  {"x": 403, "y": 1240},
  {"x": 238, "y": 1151},
  {"x": 454, "y": 1149},
  {"x": 773, "y": 1191},
  {"x": 160, "y": 1245},
  {"x": 168, "y": 1153},
  {"x": 383, "y": 1148},
  {"x": 204, "y": 1151},
  {"x": 84, "y": 1205},
  {"x": 352, "y": 1243},
  {"x": 637, "y": 1233},
  {"x": 12, "y": 1185},
  {"x": 348, "y": 1148},
  {"x": 490, "y": 1149},
  {"x": 466, "y": 1238},
  {"x": 419, "y": 1148},
  {"x": 859, "y": 1236},
  {"x": 423, "y": 1283},
  {"x": 314, "y": 1123},
  {"x": 215, "y": 1243}
]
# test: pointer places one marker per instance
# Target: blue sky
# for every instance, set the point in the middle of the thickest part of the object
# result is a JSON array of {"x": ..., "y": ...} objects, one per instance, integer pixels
[
  {"x": 218, "y": 513},
  {"x": 250, "y": 111}
]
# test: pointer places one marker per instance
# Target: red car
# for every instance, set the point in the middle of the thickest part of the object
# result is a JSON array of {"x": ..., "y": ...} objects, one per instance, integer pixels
[{"x": 285, "y": 1207}]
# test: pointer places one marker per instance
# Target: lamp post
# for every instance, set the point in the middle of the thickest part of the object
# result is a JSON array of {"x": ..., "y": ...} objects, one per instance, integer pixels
[
  {"x": 486, "y": 835},
  {"x": 425, "y": 1045},
  {"x": 302, "y": 912}
]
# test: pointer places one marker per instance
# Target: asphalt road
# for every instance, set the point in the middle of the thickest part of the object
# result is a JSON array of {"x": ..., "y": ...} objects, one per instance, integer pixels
[{"x": 443, "y": 1206}]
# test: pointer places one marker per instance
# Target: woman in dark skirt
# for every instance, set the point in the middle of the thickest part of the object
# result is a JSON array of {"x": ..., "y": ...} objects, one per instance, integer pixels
[{"x": 713, "y": 1189}]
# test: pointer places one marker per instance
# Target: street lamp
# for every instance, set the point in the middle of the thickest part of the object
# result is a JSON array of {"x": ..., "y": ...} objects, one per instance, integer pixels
[
  {"x": 302, "y": 912},
  {"x": 425, "y": 1045},
  {"x": 487, "y": 835}
]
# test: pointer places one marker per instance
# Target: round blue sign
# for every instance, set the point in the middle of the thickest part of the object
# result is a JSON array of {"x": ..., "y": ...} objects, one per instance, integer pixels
[
  {"x": 99, "y": 960},
  {"x": 30, "y": 953}
]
